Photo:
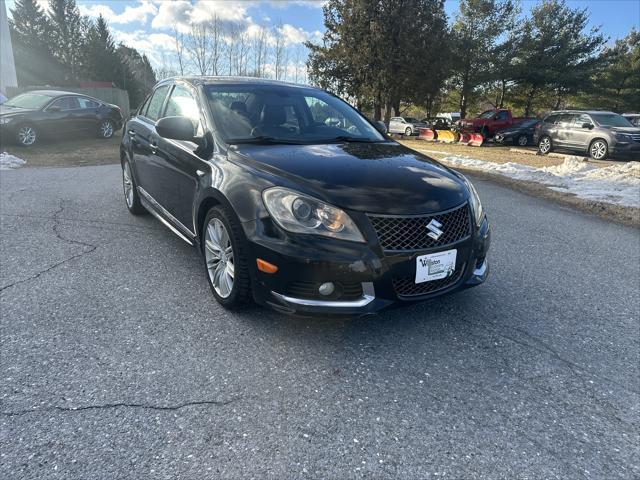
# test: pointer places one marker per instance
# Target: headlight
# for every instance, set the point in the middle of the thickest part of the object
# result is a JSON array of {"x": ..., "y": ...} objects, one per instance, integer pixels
[
  {"x": 5, "y": 120},
  {"x": 476, "y": 205},
  {"x": 299, "y": 213},
  {"x": 624, "y": 137}
]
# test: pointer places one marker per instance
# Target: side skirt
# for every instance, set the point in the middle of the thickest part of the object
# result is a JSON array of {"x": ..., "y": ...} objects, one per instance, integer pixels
[{"x": 164, "y": 216}]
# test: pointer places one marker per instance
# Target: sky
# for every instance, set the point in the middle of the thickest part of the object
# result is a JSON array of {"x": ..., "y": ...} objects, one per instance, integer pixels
[{"x": 146, "y": 24}]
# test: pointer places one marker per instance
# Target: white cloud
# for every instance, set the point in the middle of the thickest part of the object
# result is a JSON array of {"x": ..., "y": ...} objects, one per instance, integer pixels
[
  {"x": 170, "y": 14},
  {"x": 138, "y": 13},
  {"x": 154, "y": 45},
  {"x": 295, "y": 35}
]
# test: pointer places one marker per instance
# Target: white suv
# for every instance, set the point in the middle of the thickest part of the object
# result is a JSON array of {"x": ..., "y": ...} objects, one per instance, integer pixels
[{"x": 405, "y": 125}]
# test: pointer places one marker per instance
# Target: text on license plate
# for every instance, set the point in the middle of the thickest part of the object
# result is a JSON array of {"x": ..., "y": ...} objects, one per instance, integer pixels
[{"x": 435, "y": 266}]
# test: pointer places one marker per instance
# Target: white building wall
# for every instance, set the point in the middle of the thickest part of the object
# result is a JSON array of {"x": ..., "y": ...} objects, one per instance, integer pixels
[{"x": 7, "y": 65}]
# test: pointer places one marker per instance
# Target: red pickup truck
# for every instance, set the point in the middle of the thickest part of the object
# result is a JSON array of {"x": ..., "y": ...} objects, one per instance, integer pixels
[{"x": 489, "y": 122}]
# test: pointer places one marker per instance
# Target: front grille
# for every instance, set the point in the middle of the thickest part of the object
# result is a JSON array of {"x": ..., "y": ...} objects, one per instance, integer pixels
[
  {"x": 406, "y": 286},
  {"x": 411, "y": 233},
  {"x": 636, "y": 137},
  {"x": 309, "y": 290}
]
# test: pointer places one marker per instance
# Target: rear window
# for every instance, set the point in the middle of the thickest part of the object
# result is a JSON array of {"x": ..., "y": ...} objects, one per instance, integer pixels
[{"x": 550, "y": 119}]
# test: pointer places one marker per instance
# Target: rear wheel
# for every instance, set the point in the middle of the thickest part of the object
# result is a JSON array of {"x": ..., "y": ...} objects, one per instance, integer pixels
[
  {"x": 106, "y": 129},
  {"x": 131, "y": 196},
  {"x": 599, "y": 150},
  {"x": 544, "y": 145},
  {"x": 522, "y": 140},
  {"x": 407, "y": 132},
  {"x": 225, "y": 259},
  {"x": 27, "y": 135}
]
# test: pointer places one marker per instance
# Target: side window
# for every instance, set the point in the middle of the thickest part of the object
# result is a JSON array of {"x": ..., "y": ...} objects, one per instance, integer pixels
[
  {"x": 87, "y": 103},
  {"x": 323, "y": 113},
  {"x": 580, "y": 119},
  {"x": 66, "y": 103},
  {"x": 501, "y": 116},
  {"x": 156, "y": 102},
  {"x": 182, "y": 104},
  {"x": 565, "y": 120},
  {"x": 550, "y": 119}
]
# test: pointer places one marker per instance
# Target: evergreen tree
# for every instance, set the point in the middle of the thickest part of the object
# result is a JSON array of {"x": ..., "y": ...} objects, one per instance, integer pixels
[
  {"x": 101, "y": 63},
  {"x": 68, "y": 33}
]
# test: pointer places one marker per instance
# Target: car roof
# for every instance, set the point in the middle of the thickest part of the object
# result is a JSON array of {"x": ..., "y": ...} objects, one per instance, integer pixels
[
  {"x": 556, "y": 112},
  {"x": 229, "y": 80},
  {"x": 55, "y": 93}
]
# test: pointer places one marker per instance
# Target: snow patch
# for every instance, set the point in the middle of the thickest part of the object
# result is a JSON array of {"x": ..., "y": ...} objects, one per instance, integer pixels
[
  {"x": 616, "y": 184},
  {"x": 8, "y": 161}
]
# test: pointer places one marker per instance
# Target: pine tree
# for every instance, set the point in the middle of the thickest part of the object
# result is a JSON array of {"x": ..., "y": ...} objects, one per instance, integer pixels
[
  {"x": 101, "y": 63},
  {"x": 68, "y": 32}
]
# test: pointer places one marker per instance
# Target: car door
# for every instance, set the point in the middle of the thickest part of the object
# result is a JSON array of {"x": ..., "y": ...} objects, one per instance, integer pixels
[
  {"x": 500, "y": 120},
  {"x": 396, "y": 125},
  {"x": 58, "y": 116},
  {"x": 181, "y": 167},
  {"x": 147, "y": 164},
  {"x": 579, "y": 136},
  {"x": 563, "y": 130},
  {"x": 87, "y": 115}
]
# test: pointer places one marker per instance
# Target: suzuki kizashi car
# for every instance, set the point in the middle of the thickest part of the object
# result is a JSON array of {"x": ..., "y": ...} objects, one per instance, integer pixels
[{"x": 302, "y": 214}]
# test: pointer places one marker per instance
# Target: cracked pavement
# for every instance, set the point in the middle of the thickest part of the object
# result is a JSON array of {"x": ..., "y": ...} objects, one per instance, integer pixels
[{"x": 118, "y": 364}]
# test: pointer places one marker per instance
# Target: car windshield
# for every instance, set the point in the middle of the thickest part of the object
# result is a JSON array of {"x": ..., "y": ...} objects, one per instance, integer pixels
[
  {"x": 28, "y": 100},
  {"x": 285, "y": 114},
  {"x": 411, "y": 120},
  {"x": 611, "y": 120},
  {"x": 528, "y": 123}
]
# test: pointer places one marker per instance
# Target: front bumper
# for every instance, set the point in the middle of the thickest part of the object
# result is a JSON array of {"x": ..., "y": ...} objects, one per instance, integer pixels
[
  {"x": 626, "y": 149},
  {"x": 317, "y": 260}
]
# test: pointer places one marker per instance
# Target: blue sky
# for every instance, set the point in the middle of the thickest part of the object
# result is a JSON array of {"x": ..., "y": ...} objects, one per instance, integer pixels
[{"x": 145, "y": 24}]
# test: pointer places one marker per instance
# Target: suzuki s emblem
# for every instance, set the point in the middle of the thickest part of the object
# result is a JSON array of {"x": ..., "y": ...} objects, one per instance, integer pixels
[{"x": 434, "y": 229}]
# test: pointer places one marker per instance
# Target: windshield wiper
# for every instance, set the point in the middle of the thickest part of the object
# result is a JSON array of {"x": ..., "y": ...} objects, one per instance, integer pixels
[
  {"x": 347, "y": 138},
  {"x": 263, "y": 140}
]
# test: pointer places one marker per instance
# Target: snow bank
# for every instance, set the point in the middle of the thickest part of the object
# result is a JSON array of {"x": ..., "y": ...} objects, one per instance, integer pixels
[
  {"x": 8, "y": 161},
  {"x": 617, "y": 184}
]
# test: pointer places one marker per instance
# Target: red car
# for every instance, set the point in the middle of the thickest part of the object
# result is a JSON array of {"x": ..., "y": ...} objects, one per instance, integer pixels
[{"x": 489, "y": 122}]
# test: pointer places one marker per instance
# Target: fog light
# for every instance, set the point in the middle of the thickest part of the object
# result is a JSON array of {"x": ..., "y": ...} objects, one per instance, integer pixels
[{"x": 326, "y": 289}]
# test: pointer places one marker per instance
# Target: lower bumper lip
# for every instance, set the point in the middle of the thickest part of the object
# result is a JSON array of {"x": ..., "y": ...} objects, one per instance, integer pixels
[{"x": 315, "y": 261}]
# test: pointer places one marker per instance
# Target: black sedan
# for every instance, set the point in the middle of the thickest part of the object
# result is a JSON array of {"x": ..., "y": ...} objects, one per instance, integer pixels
[
  {"x": 304, "y": 215},
  {"x": 518, "y": 134},
  {"x": 30, "y": 116}
]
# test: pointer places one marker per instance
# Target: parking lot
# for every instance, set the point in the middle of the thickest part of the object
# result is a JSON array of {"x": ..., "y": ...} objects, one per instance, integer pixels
[{"x": 118, "y": 363}]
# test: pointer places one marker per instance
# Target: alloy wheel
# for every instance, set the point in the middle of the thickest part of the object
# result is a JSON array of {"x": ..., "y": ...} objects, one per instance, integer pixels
[
  {"x": 407, "y": 132},
  {"x": 219, "y": 257},
  {"x": 106, "y": 129},
  {"x": 27, "y": 135},
  {"x": 522, "y": 141},
  {"x": 598, "y": 150},
  {"x": 127, "y": 184},
  {"x": 545, "y": 145}
]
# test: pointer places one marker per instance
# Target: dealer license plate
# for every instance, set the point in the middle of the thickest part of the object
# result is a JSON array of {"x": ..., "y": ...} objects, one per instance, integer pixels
[{"x": 435, "y": 266}]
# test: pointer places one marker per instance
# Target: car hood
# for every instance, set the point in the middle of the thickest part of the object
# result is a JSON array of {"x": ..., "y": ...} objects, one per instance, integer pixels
[
  {"x": 383, "y": 178},
  {"x": 7, "y": 111},
  {"x": 627, "y": 130}
]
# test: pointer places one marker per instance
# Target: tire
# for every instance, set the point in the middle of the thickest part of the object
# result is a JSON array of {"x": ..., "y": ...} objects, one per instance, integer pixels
[
  {"x": 522, "y": 141},
  {"x": 230, "y": 287},
  {"x": 545, "y": 145},
  {"x": 408, "y": 132},
  {"x": 599, "y": 150},
  {"x": 484, "y": 131},
  {"x": 27, "y": 135},
  {"x": 131, "y": 196},
  {"x": 106, "y": 129}
]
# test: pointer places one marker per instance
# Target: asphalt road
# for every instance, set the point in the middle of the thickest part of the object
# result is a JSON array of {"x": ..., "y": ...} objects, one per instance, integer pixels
[{"x": 117, "y": 362}]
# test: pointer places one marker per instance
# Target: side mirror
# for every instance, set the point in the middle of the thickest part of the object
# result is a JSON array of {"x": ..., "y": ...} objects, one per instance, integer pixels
[
  {"x": 54, "y": 108},
  {"x": 381, "y": 127},
  {"x": 587, "y": 125},
  {"x": 176, "y": 128}
]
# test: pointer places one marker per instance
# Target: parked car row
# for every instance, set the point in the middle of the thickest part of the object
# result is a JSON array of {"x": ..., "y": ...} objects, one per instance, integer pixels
[{"x": 29, "y": 117}]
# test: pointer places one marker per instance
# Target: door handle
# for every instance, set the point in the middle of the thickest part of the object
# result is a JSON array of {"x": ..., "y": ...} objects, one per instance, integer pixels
[
  {"x": 200, "y": 173},
  {"x": 131, "y": 133},
  {"x": 153, "y": 147}
]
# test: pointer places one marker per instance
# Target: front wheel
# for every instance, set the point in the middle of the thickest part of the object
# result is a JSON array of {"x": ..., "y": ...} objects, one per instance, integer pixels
[
  {"x": 599, "y": 150},
  {"x": 225, "y": 259},
  {"x": 544, "y": 145},
  {"x": 523, "y": 140},
  {"x": 407, "y": 132},
  {"x": 106, "y": 129},
  {"x": 27, "y": 135}
]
